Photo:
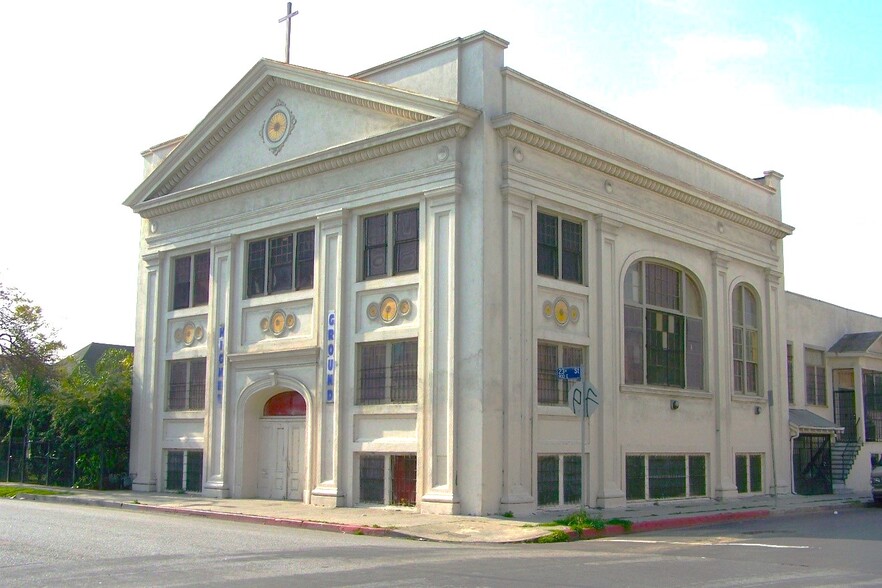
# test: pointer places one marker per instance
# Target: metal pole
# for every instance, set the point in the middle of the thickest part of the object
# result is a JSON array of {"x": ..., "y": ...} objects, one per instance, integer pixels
[
  {"x": 9, "y": 448},
  {"x": 582, "y": 462}
]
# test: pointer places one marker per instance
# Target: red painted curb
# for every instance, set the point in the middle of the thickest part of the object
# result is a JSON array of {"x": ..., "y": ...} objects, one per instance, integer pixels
[{"x": 708, "y": 519}]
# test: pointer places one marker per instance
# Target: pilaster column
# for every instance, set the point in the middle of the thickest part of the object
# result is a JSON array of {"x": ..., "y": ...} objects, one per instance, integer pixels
[
  {"x": 721, "y": 378},
  {"x": 325, "y": 414},
  {"x": 146, "y": 399},
  {"x": 776, "y": 375},
  {"x": 217, "y": 483},
  {"x": 609, "y": 360},
  {"x": 518, "y": 383},
  {"x": 437, "y": 410}
]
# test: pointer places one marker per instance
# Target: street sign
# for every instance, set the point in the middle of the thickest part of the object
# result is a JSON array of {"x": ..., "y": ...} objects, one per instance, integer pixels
[
  {"x": 569, "y": 373},
  {"x": 584, "y": 399}
]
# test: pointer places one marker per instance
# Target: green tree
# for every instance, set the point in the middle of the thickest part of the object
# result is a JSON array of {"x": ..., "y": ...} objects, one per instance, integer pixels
[
  {"x": 91, "y": 416},
  {"x": 28, "y": 353}
]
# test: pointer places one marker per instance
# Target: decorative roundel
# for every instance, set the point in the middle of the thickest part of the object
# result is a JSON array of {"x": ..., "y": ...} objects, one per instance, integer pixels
[
  {"x": 178, "y": 336},
  {"x": 277, "y": 322},
  {"x": 276, "y": 126},
  {"x": 290, "y": 321},
  {"x": 574, "y": 314},
  {"x": 373, "y": 310},
  {"x": 200, "y": 333},
  {"x": 264, "y": 324},
  {"x": 405, "y": 307},
  {"x": 188, "y": 333},
  {"x": 561, "y": 311},
  {"x": 547, "y": 309},
  {"x": 389, "y": 309}
]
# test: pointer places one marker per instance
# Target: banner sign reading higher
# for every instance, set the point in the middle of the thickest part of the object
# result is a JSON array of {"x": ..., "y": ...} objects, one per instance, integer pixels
[
  {"x": 331, "y": 349},
  {"x": 220, "y": 363}
]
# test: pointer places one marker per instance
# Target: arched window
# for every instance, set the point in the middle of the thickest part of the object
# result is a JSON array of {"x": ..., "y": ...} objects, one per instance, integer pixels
[
  {"x": 745, "y": 340},
  {"x": 664, "y": 329},
  {"x": 285, "y": 404}
]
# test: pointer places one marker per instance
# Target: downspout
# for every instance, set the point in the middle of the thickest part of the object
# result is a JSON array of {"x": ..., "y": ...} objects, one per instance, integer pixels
[{"x": 792, "y": 465}]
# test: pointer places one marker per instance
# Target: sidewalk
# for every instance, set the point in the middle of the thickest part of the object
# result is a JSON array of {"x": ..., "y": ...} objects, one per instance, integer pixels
[{"x": 404, "y": 522}]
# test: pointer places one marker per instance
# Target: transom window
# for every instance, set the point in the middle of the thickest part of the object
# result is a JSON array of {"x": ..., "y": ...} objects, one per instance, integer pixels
[
  {"x": 191, "y": 277},
  {"x": 550, "y": 356},
  {"x": 558, "y": 248},
  {"x": 281, "y": 263},
  {"x": 186, "y": 384},
  {"x": 400, "y": 228},
  {"x": 815, "y": 378},
  {"x": 664, "y": 330},
  {"x": 745, "y": 340},
  {"x": 387, "y": 372}
]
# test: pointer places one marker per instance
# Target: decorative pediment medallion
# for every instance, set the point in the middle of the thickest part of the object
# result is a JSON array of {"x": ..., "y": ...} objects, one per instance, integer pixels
[
  {"x": 561, "y": 311},
  {"x": 277, "y": 127},
  {"x": 389, "y": 309},
  {"x": 278, "y": 324}
]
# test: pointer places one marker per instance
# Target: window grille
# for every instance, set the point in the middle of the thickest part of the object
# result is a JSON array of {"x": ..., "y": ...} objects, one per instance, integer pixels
[
  {"x": 550, "y": 389},
  {"x": 388, "y": 372},
  {"x": 372, "y": 479},
  {"x": 183, "y": 471},
  {"x": 404, "y": 471},
  {"x": 186, "y": 384},
  {"x": 665, "y": 476},
  {"x": 547, "y": 480}
]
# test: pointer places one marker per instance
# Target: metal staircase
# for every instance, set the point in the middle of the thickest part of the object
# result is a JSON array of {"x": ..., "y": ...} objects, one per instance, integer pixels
[{"x": 842, "y": 455}]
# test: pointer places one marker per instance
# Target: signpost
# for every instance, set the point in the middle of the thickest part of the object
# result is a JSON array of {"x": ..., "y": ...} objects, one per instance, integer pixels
[{"x": 583, "y": 398}]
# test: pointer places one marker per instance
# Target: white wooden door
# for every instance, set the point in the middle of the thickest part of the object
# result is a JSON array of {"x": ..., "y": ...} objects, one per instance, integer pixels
[{"x": 281, "y": 457}]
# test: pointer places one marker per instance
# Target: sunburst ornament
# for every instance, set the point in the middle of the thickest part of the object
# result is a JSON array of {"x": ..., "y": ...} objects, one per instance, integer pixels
[
  {"x": 277, "y": 127},
  {"x": 561, "y": 311},
  {"x": 389, "y": 309}
]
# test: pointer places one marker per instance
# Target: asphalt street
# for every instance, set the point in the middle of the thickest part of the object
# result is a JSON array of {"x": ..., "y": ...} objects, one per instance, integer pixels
[{"x": 52, "y": 544}]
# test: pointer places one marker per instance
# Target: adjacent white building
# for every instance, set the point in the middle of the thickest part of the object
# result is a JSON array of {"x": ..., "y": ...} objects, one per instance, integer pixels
[{"x": 358, "y": 290}]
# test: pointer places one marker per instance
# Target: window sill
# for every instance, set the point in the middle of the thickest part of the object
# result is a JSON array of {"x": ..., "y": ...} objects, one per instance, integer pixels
[
  {"x": 190, "y": 311},
  {"x": 277, "y": 298},
  {"x": 386, "y": 408},
  {"x": 184, "y": 414},
  {"x": 749, "y": 398},
  {"x": 665, "y": 391},
  {"x": 561, "y": 284},
  {"x": 554, "y": 410},
  {"x": 381, "y": 282}
]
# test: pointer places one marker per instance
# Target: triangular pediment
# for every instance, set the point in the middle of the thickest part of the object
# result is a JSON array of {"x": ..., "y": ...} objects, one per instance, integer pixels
[{"x": 281, "y": 116}]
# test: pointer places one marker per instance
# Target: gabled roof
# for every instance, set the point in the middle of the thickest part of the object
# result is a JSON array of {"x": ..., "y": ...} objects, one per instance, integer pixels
[
  {"x": 424, "y": 115},
  {"x": 856, "y": 342},
  {"x": 90, "y": 354}
]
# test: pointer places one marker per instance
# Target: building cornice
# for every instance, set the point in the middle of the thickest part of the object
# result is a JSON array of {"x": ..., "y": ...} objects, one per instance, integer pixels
[
  {"x": 518, "y": 128},
  {"x": 415, "y": 136}
]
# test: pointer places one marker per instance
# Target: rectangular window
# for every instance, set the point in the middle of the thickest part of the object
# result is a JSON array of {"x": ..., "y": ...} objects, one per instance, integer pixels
[
  {"x": 815, "y": 378},
  {"x": 388, "y": 372},
  {"x": 558, "y": 257},
  {"x": 664, "y": 349},
  {"x": 191, "y": 278},
  {"x": 281, "y": 263},
  {"x": 398, "y": 473},
  {"x": 403, "y": 232},
  {"x": 550, "y": 356},
  {"x": 186, "y": 384},
  {"x": 372, "y": 479},
  {"x": 554, "y": 489},
  {"x": 665, "y": 476},
  {"x": 790, "y": 372},
  {"x": 749, "y": 472},
  {"x": 183, "y": 472},
  {"x": 872, "y": 405}
]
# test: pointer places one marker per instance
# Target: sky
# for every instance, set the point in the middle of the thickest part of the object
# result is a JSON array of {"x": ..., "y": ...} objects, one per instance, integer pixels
[{"x": 791, "y": 86}]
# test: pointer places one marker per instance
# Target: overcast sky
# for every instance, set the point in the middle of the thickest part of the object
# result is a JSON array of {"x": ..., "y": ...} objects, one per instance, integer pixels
[{"x": 794, "y": 86}]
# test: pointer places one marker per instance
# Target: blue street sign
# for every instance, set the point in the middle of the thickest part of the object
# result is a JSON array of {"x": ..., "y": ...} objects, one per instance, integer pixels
[{"x": 569, "y": 373}]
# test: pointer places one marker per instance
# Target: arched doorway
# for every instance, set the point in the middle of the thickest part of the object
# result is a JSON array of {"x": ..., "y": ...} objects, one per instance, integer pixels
[{"x": 281, "y": 466}]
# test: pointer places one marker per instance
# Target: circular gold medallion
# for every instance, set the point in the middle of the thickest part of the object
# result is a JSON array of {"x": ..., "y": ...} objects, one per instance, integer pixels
[
  {"x": 264, "y": 324},
  {"x": 404, "y": 307},
  {"x": 547, "y": 309},
  {"x": 189, "y": 333},
  {"x": 388, "y": 309},
  {"x": 373, "y": 310},
  {"x": 276, "y": 126},
  {"x": 290, "y": 321},
  {"x": 561, "y": 311},
  {"x": 574, "y": 314},
  {"x": 277, "y": 322}
]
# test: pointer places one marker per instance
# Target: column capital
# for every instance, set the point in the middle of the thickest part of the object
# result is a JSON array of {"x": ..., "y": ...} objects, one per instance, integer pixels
[
  {"x": 773, "y": 276},
  {"x": 607, "y": 226},
  {"x": 721, "y": 260}
]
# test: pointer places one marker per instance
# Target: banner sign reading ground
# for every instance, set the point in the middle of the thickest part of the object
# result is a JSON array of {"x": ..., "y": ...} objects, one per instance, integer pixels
[
  {"x": 331, "y": 348},
  {"x": 584, "y": 399},
  {"x": 220, "y": 363}
]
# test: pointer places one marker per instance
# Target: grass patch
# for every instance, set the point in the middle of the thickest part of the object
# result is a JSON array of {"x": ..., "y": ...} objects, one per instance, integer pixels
[
  {"x": 358, "y": 532},
  {"x": 508, "y": 514},
  {"x": 624, "y": 523},
  {"x": 554, "y": 537},
  {"x": 13, "y": 491},
  {"x": 579, "y": 521}
]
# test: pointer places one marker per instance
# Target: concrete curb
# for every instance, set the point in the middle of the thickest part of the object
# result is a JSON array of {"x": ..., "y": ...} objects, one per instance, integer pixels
[{"x": 645, "y": 526}]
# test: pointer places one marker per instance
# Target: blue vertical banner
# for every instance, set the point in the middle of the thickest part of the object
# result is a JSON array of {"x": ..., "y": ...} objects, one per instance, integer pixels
[
  {"x": 220, "y": 364},
  {"x": 331, "y": 348}
]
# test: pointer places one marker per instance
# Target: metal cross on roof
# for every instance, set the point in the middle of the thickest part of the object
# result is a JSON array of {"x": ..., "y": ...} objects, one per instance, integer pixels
[{"x": 287, "y": 20}]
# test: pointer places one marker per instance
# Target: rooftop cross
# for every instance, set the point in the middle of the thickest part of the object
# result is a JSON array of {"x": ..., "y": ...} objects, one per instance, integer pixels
[{"x": 287, "y": 20}]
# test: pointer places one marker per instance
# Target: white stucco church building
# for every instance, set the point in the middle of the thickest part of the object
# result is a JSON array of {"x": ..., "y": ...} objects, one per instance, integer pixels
[{"x": 357, "y": 290}]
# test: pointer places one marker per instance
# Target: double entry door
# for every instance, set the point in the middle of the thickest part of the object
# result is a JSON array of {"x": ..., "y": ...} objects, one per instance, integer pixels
[{"x": 280, "y": 475}]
